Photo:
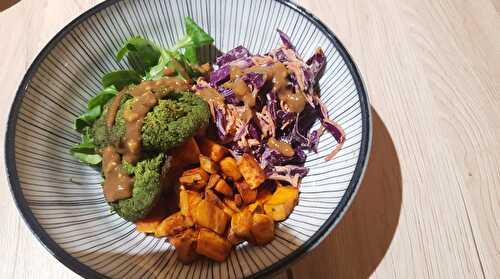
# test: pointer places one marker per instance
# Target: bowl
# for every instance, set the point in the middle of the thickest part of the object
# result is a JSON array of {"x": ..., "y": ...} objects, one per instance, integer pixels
[{"x": 61, "y": 200}]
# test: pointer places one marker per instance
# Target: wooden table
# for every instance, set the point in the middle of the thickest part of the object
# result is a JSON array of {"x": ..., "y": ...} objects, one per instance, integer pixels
[{"x": 429, "y": 206}]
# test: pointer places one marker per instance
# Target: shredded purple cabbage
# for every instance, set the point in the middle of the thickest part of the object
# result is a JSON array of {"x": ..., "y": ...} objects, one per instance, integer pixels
[
  {"x": 255, "y": 79},
  {"x": 220, "y": 123},
  {"x": 285, "y": 40},
  {"x": 232, "y": 55},
  {"x": 316, "y": 63},
  {"x": 220, "y": 75},
  {"x": 229, "y": 96}
]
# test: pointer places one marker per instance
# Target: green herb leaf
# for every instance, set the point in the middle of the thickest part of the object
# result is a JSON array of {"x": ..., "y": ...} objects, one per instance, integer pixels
[
  {"x": 85, "y": 151},
  {"x": 87, "y": 118},
  {"x": 121, "y": 79},
  {"x": 156, "y": 72},
  {"x": 102, "y": 97},
  {"x": 195, "y": 36},
  {"x": 142, "y": 53},
  {"x": 191, "y": 55}
]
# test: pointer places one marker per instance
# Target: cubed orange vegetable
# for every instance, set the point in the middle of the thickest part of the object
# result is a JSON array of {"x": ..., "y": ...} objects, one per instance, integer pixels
[
  {"x": 250, "y": 170},
  {"x": 241, "y": 224},
  {"x": 247, "y": 194},
  {"x": 185, "y": 245},
  {"x": 229, "y": 167},
  {"x": 194, "y": 179},
  {"x": 212, "y": 245},
  {"x": 282, "y": 202},
  {"x": 208, "y": 164},
  {"x": 224, "y": 188},
  {"x": 213, "y": 150},
  {"x": 262, "y": 229},
  {"x": 171, "y": 225},
  {"x": 207, "y": 215}
]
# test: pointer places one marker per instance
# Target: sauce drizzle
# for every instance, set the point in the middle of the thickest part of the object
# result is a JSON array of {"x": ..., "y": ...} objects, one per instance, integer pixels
[{"x": 117, "y": 184}]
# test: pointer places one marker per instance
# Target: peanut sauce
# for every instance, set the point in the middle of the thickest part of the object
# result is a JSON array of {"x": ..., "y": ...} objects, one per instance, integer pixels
[
  {"x": 168, "y": 71},
  {"x": 278, "y": 74},
  {"x": 113, "y": 109},
  {"x": 134, "y": 118},
  {"x": 211, "y": 95},
  {"x": 170, "y": 83},
  {"x": 117, "y": 184},
  {"x": 282, "y": 147}
]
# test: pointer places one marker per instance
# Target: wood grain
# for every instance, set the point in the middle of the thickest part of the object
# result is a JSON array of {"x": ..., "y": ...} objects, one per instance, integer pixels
[{"x": 429, "y": 206}]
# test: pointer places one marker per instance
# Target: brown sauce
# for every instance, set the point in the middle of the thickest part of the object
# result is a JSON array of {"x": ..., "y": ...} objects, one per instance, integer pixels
[
  {"x": 113, "y": 109},
  {"x": 211, "y": 95},
  {"x": 170, "y": 83},
  {"x": 169, "y": 71},
  {"x": 134, "y": 118},
  {"x": 117, "y": 184},
  {"x": 294, "y": 100},
  {"x": 281, "y": 146}
]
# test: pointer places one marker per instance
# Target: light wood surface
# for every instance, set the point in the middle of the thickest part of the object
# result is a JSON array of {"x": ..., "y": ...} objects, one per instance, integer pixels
[{"x": 429, "y": 206}]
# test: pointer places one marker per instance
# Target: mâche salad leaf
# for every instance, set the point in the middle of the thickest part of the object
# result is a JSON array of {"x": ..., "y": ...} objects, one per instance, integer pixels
[
  {"x": 121, "y": 78},
  {"x": 142, "y": 54},
  {"x": 85, "y": 151},
  {"x": 95, "y": 108}
]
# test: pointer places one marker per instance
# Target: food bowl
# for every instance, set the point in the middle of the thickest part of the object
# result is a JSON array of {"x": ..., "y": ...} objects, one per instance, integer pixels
[{"x": 61, "y": 199}]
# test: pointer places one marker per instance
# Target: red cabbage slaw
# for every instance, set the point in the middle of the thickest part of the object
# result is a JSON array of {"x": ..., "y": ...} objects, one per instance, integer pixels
[{"x": 270, "y": 117}]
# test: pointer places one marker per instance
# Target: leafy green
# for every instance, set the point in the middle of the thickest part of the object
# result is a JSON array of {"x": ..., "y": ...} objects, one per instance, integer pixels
[
  {"x": 86, "y": 151},
  {"x": 195, "y": 36},
  {"x": 102, "y": 97},
  {"x": 142, "y": 53},
  {"x": 95, "y": 108},
  {"x": 121, "y": 78},
  {"x": 87, "y": 118}
]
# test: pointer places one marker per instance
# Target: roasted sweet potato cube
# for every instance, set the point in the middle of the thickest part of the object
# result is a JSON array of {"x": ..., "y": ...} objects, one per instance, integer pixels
[
  {"x": 231, "y": 204},
  {"x": 224, "y": 188},
  {"x": 214, "y": 178},
  {"x": 241, "y": 224},
  {"x": 233, "y": 238},
  {"x": 250, "y": 170},
  {"x": 171, "y": 225},
  {"x": 212, "y": 246},
  {"x": 263, "y": 195},
  {"x": 195, "y": 179},
  {"x": 188, "y": 200},
  {"x": 229, "y": 167},
  {"x": 210, "y": 196},
  {"x": 209, "y": 216},
  {"x": 262, "y": 229},
  {"x": 208, "y": 164},
  {"x": 185, "y": 245},
  {"x": 213, "y": 150},
  {"x": 247, "y": 194},
  {"x": 237, "y": 200},
  {"x": 282, "y": 202},
  {"x": 255, "y": 207}
]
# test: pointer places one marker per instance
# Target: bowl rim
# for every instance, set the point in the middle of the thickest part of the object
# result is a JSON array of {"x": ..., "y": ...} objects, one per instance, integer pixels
[{"x": 83, "y": 270}]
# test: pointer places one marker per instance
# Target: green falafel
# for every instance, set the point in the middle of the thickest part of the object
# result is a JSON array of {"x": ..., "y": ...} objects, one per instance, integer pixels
[
  {"x": 147, "y": 189},
  {"x": 174, "y": 120}
]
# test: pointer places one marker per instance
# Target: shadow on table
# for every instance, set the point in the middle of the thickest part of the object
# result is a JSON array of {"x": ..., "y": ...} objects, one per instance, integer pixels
[
  {"x": 5, "y": 4},
  {"x": 360, "y": 241}
]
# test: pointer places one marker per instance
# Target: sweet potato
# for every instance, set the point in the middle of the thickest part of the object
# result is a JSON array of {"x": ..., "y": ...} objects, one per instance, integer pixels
[
  {"x": 194, "y": 179},
  {"x": 208, "y": 164},
  {"x": 213, "y": 150},
  {"x": 185, "y": 245},
  {"x": 231, "y": 204},
  {"x": 207, "y": 215},
  {"x": 262, "y": 229},
  {"x": 224, "y": 188},
  {"x": 229, "y": 167},
  {"x": 188, "y": 200},
  {"x": 263, "y": 195},
  {"x": 210, "y": 196},
  {"x": 282, "y": 202},
  {"x": 247, "y": 195},
  {"x": 171, "y": 225},
  {"x": 212, "y": 246},
  {"x": 250, "y": 170},
  {"x": 237, "y": 200},
  {"x": 241, "y": 224},
  {"x": 255, "y": 207}
]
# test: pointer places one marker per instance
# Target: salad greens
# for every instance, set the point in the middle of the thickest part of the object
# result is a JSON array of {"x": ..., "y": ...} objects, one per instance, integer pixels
[{"x": 148, "y": 61}]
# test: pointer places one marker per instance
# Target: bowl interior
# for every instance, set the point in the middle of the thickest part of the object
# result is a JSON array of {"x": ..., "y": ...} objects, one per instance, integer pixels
[{"x": 61, "y": 199}]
